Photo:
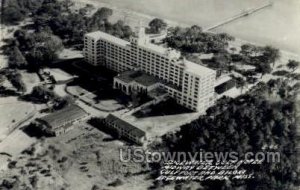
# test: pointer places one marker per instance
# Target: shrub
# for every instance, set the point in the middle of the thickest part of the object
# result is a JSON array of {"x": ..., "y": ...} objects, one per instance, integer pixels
[
  {"x": 116, "y": 183},
  {"x": 281, "y": 73}
]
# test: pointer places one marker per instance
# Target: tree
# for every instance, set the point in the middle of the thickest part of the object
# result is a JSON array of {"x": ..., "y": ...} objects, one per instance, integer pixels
[
  {"x": 50, "y": 8},
  {"x": 271, "y": 54},
  {"x": 271, "y": 85},
  {"x": 102, "y": 14},
  {"x": 67, "y": 4},
  {"x": 16, "y": 59},
  {"x": 241, "y": 83},
  {"x": 264, "y": 68},
  {"x": 33, "y": 181},
  {"x": 193, "y": 40},
  {"x": 157, "y": 25},
  {"x": 249, "y": 121},
  {"x": 24, "y": 39},
  {"x": 12, "y": 14},
  {"x": 116, "y": 183},
  {"x": 282, "y": 92},
  {"x": 15, "y": 79},
  {"x": 293, "y": 65},
  {"x": 60, "y": 103},
  {"x": 222, "y": 60},
  {"x": 45, "y": 50},
  {"x": 42, "y": 94},
  {"x": 226, "y": 37},
  {"x": 248, "y": 50}
]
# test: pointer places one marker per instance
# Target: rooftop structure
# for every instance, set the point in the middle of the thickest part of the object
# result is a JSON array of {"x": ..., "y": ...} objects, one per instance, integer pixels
[
  {"x": 102, "y": 35},
  {"x": 135, "y": 81},
  {"x": 197, "y": 68}
]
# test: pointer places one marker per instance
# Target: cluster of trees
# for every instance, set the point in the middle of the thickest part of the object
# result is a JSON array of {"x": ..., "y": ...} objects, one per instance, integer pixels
[
  {"x": 280, "y": 88},
  {"x": 14, "y": 11},
  {"x": 263, "y": 58},
  {"x": 15, "y": 78},
  {"x": 250, "y": 122},
  {"x": 71, "y": 25},
  {"x": 156, "y": 26},
  {"x": 194, "y": 40},
  {"x": 42, "y": 94},
  {"x": 33, "y": 50},
  {"x": 221, "y": 61},
  {"x": 59, "y": 18}
]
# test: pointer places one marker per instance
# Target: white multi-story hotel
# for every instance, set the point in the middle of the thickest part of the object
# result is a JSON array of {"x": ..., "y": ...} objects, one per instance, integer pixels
[{"x": 190, "y": 84}]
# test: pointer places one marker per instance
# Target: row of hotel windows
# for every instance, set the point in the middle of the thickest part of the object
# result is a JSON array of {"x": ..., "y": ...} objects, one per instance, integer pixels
[
  {"x": 161, "y": 66},
  {"x": 123, "y": 51},
  {"x": 103, "y": 43},
  {"x": 164, "y": 76},
  {"x": 151, "y": 70},
  {"x": 130, "y": 55},
  {"x": 141, "y": 51},
  {"x": 182, "y": 99},
  {"x": 111, "y": 64}
]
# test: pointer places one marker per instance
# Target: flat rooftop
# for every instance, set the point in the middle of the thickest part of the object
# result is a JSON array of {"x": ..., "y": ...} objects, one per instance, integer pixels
[
  {"x": 102, "y": 35},
  {"x": 222, "y": 80},
  {"x": 197, "y": 68},
  {"x": 172, "y": 53}
]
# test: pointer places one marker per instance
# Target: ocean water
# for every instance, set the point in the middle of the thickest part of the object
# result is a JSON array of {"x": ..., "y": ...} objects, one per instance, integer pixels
[{"x": 278, "y": 25}]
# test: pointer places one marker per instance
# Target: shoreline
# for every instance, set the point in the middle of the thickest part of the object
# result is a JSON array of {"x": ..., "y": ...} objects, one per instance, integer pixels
[{"x": 121, "y": 13}]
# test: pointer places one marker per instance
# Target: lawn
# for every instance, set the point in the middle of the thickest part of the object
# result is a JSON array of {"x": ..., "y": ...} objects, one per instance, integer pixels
[
  {"x": 12, "y": 112},
  {"x": 30, "y": 80}
]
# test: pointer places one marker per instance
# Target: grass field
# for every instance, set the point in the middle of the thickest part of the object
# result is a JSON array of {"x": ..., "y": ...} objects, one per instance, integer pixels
[{"x": 12, "y": 112}]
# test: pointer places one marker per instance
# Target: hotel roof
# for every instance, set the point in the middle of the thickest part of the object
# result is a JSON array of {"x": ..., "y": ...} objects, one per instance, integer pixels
[
  {"x": 197, "y": 68},
  {"x": 102, "y": 35},
  {"x": 222, "y": 80},
  {"x": 173, "y": 54}
]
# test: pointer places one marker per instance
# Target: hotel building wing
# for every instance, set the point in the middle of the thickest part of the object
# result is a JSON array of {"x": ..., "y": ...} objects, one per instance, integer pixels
[{"x": 190, "y": 84}]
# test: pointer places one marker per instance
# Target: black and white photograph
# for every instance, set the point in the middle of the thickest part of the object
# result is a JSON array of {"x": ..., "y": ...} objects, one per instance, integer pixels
[{"x": 149, "y": 94}]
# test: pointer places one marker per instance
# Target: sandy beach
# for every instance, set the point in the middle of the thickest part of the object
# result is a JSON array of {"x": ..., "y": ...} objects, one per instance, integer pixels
[
  {"x": 276, "y": 25},
  {"x": 134, "y": 19}
]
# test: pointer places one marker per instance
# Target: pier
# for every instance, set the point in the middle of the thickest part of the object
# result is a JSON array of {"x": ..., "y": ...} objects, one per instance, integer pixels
[{"x": 240, "y": 15}]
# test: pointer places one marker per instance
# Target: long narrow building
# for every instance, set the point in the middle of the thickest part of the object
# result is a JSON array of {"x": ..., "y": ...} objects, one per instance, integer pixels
[{"x": 190, "y": 84}]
